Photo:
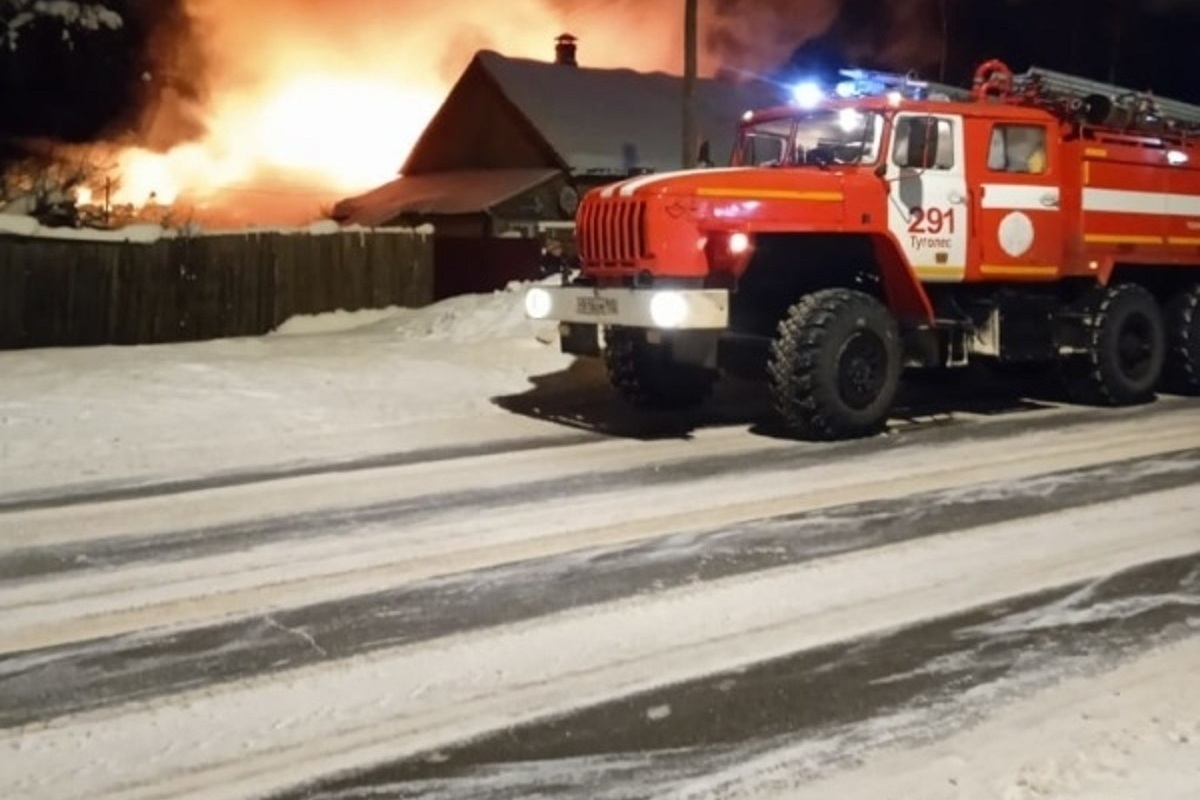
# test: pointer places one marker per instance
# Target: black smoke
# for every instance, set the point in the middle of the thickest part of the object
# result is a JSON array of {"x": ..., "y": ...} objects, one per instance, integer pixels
[{"x": 75, "y": 85}]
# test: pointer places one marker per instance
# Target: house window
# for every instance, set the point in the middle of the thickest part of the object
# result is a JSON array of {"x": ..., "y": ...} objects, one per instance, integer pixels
[{"x": 1018, "y": 148}]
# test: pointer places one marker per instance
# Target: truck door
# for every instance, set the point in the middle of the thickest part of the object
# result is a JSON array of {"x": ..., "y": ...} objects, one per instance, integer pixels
[
  {"x": 927, "y": 201},
  {"x": 1019, "y": 224}
]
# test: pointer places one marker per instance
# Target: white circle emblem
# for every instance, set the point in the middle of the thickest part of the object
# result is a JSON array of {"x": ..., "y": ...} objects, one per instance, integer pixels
[{"x": 1016, "y": 234}]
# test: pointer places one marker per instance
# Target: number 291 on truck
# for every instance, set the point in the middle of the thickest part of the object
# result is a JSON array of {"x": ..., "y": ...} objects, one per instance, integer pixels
[{"x": 1034, "y": 218}]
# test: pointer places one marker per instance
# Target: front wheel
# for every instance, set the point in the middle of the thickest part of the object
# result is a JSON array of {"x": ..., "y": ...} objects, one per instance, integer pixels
[
  {"x": 835, "y": 365},
  {"x": 646, "y": 376}
]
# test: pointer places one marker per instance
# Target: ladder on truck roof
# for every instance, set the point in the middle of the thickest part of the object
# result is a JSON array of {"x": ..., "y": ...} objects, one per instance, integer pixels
[{"x": 1107, "y": 104}]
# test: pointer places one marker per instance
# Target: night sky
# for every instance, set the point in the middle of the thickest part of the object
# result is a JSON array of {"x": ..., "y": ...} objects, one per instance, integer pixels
[
  {"x": 1140, "y": 44},
  {"x": 94, "y": 85}
]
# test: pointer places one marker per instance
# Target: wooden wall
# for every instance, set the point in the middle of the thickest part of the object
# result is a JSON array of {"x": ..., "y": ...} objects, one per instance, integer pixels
[
  {"x": 57, "y": 293},
  {"x": 470, "y": 265}
]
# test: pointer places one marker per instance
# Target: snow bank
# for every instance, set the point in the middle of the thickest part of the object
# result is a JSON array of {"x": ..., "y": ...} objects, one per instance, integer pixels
[
  {"x": 148, "y": 233},
  {"x": 466, "y": 319},
  {"x": 326, "y": 227},
  {"x": 329, "y": 387},
  {"x": 335, "y": 321},
  {"x": 469, "y": 318},
  {"x": 28, "y": 227},
  {"x": 18, "y": 225}
]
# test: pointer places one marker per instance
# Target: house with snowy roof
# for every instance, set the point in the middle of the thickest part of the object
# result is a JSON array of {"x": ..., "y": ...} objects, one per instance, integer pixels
[{"x": 517, "y": 142}]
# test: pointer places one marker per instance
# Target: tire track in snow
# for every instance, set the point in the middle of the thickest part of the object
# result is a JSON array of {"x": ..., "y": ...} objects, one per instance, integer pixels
[
  {"x": 655, "y": 466},
  {"x": 77, "y": 607},
  {"x": 788, "y": 722},
  {"x": 108, "y": 603},
  {"x": 43, "y": 499},
  {"x": 265, "y": 734},
  {"x": 51, "y": 537},
  {"x": 99, "y": 673}
]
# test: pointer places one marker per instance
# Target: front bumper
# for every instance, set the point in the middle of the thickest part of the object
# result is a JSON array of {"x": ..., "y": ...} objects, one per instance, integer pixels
[{"x": 664, "y": 309}]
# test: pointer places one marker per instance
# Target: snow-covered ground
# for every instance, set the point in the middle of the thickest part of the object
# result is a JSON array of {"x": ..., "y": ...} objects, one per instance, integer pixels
[
  {"x": 1129, "y": 734},
  {"x": 132, "y": 573},
  {"x": 336, "y": 386}
]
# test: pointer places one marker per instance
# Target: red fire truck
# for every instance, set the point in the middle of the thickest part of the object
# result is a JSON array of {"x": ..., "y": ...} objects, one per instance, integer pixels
[{"x": 1035, "y": 218}]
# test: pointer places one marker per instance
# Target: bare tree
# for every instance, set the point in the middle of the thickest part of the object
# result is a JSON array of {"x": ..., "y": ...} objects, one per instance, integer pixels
[
  {"x": 74, "y": 16},
  {"x": 47, "y": 184}
]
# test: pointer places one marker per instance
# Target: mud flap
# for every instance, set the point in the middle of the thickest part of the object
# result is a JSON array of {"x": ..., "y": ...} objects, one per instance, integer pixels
[{"x": 579, "y": 339}]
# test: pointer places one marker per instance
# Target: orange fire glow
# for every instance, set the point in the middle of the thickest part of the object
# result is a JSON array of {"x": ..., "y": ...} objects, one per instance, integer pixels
[
  {"x": 311, "y": 100},
  {"x": 326, "y": 133},
  {"x": 308, "y": 101}
]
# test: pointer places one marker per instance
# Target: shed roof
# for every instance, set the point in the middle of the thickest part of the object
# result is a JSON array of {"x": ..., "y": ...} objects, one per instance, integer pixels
[{"x": 458, "y": 192}]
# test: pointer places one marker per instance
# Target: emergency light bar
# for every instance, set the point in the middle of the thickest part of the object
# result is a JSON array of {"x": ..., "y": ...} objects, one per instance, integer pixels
[{"x": 859, "y": 83}]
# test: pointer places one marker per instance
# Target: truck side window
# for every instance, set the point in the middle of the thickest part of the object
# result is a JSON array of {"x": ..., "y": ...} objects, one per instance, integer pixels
[
  {"x": 762, "y": 150},
  {"x": 942, "y": 133},
  {"x": 1018, "y": 148}
]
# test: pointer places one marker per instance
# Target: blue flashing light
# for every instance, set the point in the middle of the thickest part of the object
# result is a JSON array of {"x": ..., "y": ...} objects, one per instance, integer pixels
[
  {"x": 869, "y": 83},
  {"x": 808, "y": 94}
]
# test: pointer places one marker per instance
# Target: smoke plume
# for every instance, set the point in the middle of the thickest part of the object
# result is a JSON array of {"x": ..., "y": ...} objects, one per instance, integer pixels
[{"x": 276, "y": 102}]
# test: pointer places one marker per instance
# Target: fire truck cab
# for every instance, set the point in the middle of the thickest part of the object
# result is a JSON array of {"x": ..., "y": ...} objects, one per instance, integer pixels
[{"x": 1035, "y": 218}]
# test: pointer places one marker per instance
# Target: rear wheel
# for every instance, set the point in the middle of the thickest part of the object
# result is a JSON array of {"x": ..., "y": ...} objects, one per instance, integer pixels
[
  {"x": 1181, "y": 373},
  {"x": 1124, "y": 348},
  {"x": 645, "y": 375},
  {"x": 835, "y": 366}
]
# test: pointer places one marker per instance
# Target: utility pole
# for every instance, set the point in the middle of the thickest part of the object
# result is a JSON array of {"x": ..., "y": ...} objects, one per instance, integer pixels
[
  {"x": 1117, "y": 24},
  {"x": 691, "y": 25},
  {"x": 945, "y": 12}
]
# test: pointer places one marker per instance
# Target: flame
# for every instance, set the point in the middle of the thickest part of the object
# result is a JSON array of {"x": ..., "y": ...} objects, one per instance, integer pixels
[
  {"x": 328, "y": 133},
  {"x": 308, "y": 101}
]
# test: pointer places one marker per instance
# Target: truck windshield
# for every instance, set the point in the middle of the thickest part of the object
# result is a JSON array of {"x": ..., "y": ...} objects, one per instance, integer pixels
[{"x": 835, "y": 136}]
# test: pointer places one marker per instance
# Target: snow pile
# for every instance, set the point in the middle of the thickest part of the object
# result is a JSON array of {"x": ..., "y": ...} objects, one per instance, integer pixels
[
  {"x": 28, "y": 227},
  {"x": 335, "y": 321},
  {"x": 18, "y": 225},
  {"x": 466, "y": 319},
  {"x": 469, "y": 318},
  {"x": 324, "y": 227},
  {"x": 332, "y": 387}
]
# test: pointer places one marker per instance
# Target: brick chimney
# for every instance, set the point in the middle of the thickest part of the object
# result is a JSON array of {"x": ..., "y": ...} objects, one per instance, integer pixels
[{"x": 564, "y": 50}]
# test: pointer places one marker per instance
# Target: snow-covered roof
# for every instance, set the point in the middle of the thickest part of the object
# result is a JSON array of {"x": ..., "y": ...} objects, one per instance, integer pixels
[
  {"x": 458, "y": 192},
  {"x": 615, "y": 120}
]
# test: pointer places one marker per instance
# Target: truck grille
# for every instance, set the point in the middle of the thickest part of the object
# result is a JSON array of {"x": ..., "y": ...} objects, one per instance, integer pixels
[{"x": 612, "y": 232}]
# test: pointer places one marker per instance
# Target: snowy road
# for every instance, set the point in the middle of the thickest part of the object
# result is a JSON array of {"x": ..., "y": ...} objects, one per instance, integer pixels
[{"x": 516, "y": 607}]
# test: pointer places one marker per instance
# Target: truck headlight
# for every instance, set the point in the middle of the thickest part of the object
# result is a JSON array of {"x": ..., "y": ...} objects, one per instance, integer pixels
[
  {"x": 538, "y": 303},
  {"x": 668, "y": 309}
]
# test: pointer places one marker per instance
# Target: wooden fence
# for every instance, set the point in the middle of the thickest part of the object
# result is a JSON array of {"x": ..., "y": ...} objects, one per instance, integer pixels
[{"x": 66, "y": 292}]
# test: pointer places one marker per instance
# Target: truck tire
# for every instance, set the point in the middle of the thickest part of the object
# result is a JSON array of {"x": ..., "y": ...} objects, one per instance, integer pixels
[
  {"x": 1125, "y": 348},
  {"x": 645, "y": 376},
  {"x": 1181, "y": 373},
  {"x": 835, "y": 365}
]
